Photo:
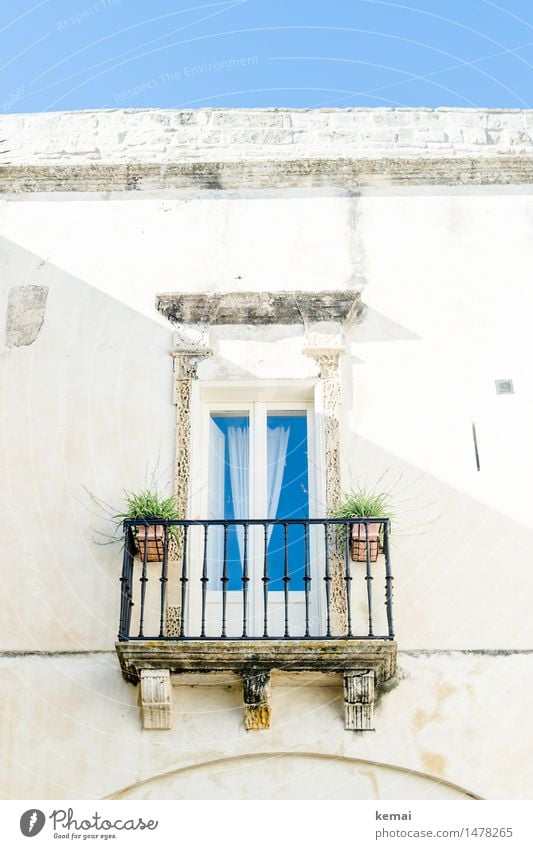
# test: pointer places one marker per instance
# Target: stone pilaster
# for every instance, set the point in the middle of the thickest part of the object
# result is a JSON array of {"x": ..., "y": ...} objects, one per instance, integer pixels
[
  {"x": 328, "y": 364},
  {"x": 186, "y": 362}
]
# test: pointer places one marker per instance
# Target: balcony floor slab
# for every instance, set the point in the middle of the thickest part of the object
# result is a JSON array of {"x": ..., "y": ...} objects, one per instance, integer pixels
[{"x": 201, "y": 657}]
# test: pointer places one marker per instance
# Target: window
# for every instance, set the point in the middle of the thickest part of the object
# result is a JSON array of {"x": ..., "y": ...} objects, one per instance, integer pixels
[
  {"x": 258, "y": 460},
  {"x": 280, "y": 488}
]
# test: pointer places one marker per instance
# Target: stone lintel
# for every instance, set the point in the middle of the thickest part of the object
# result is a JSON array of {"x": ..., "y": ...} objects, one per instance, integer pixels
[
  {"x": 341, "y": 173},
  {"x": 285, "y": 308}
]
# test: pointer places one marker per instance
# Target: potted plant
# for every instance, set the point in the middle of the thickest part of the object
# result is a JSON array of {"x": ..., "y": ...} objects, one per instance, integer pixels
[
  {"x": 149, "y": 505},
  {"x": 364, "y": 504}
]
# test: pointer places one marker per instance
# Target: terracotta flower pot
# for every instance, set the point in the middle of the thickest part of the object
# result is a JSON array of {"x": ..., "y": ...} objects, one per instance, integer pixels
[
  {"x": 151, "y": 538},
  {"x": 359, "y": 540}
]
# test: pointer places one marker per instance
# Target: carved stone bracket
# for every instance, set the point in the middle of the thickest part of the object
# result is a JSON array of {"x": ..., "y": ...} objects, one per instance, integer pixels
[
  {"x": 359, "y": 700},
  {"x": 256, "y": 694},
  {"x": 364, "y": 666},
  {"x": 156, "y": 699}
]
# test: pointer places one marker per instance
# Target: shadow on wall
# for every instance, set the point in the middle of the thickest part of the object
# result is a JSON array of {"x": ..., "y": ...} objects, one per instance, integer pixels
[
  {"x": 291, "y": 775},
  {"x": 87, "y": 386},
  {"x": 462, "y": 569},
  {"x": 373, "y": 326}
]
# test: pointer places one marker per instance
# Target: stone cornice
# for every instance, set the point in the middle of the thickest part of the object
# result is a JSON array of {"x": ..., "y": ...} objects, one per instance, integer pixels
[
  {"x": 230, "y": 308},
  {"x": 343, "y": 173}
]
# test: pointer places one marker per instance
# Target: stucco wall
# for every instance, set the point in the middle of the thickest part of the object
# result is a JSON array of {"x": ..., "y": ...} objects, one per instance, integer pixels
[
  {"x": 436, "y": 274},
  {"x": 72, "y": 730},
  {"x": 86, "y": 411}
]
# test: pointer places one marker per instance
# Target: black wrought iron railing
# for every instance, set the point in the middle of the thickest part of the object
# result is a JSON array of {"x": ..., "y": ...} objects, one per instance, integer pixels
[{"x": 256, "y": 579}]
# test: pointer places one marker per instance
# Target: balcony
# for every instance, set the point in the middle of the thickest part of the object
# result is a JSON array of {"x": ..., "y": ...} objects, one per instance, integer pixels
[{"x": 249, "y": 597}]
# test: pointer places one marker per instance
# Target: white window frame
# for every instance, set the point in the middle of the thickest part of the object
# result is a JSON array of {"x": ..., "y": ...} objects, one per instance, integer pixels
[{"x": 255, "y": 399}]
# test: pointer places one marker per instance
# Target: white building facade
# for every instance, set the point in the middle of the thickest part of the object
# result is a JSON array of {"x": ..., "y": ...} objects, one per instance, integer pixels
[{"x": 315, "y": 301}]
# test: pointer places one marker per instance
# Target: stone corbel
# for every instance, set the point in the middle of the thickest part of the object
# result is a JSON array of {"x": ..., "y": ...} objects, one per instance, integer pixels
[
  {"x": 186, "y": 362},
  {"x": 327, "y": 359},
  {"x": 256, "y": 694},
  {"x": 156, "y": 699},
  {"x": 359, "y": 700}
]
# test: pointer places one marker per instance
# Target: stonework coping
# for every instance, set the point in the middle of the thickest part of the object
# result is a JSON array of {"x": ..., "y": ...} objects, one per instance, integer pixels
[
  {"x": 121, "y": 137},
  {"x": 344, "y": 174}
]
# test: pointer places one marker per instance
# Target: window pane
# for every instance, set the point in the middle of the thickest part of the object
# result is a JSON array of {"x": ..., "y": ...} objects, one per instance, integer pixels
[
  {"x": 287, "y": 494},
  {"x": 228, "y": 495}
]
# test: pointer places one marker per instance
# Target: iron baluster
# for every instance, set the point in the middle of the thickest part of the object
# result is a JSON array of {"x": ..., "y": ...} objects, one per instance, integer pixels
[
  {"x": 245, "y": 580},
  {"x": 184, "y": 579},
  {"x": 328, "y": 535},
  {"x": 131, "y": 566},
  {"x": 224, "y": 580},
  {"x": 143, "y": 580},
  {"x": 307, "y": 577},
  {"x": 204, "y": 579},
  {"x": 125, "y": 589},
  {"x": 164, "y": 580},
  {"x": 286, "y": 576},
  {"x": 388, "y": 579},
  {"x": 265, "y": 580},
  {"x": 348, "y": 582}
]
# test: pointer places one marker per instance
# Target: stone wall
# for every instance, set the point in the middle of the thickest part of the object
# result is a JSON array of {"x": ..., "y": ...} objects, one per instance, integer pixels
[{"x": 165, "y": 136}]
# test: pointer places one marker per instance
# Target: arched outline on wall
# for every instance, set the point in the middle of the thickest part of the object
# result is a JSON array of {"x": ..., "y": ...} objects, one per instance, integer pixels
[{"x": 319, "y": 755}]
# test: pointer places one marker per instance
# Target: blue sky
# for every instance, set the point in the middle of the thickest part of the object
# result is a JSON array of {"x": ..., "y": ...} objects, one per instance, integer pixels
[{"x": 85, "y": 54}]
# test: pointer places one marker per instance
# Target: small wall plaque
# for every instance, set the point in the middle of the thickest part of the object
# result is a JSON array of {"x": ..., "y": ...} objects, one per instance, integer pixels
[{"x": 504, "y": 387}]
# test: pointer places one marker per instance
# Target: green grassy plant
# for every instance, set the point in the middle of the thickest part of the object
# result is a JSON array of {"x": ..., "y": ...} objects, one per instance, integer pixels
[
  {"x": 148, "y": 504},
  {"x": 362, "y": 503}
]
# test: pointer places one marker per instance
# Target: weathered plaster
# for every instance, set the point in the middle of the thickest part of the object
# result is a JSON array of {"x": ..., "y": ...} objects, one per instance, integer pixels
[{"x": 26, "y": 308}]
